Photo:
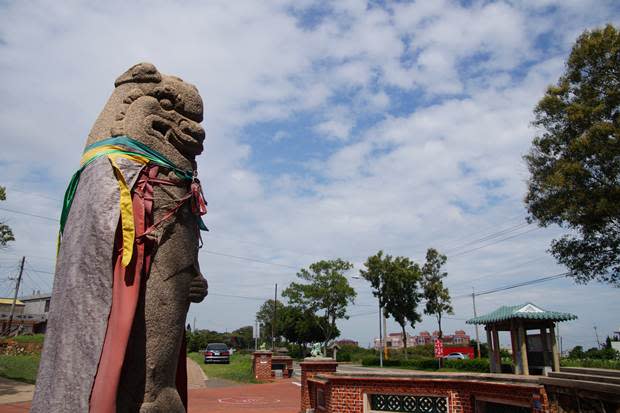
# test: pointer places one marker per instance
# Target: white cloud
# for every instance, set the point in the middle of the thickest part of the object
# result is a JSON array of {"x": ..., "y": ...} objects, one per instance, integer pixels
[{"x": 414, "y": 118}]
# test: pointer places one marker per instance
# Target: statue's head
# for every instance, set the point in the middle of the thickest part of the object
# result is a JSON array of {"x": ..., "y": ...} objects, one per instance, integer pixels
[{"x": 161, "y": 111}]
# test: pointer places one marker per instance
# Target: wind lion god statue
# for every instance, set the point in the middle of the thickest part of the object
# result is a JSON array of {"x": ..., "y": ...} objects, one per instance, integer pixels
[{"x": 127, "y": 265}]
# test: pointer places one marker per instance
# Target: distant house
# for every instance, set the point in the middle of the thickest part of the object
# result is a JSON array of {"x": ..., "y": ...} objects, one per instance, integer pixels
[
  {"x": 395, "y": 340},
  {"x": 346, "y": 342},
  {"x": 30, "y": 315},
  {"x": 6, "y": 304}
]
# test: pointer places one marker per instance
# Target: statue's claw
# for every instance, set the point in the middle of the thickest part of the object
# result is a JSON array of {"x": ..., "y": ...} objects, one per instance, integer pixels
[{"x": 198, "y": 289}]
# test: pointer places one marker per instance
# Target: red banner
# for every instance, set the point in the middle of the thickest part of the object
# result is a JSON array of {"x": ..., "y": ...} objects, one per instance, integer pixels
[{"x": 438, "y": 348}]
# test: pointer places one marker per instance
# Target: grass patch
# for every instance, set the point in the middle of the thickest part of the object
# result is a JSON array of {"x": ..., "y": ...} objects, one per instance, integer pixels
[
  {"x": 20, "y": 368},
  {"x": 33, "y": 338},
  {"x": 239, "y": 369}
]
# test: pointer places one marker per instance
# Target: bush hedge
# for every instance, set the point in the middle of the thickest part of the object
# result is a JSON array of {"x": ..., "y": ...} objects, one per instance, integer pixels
[
  {"x": 592, "y": 363},
  {"x": 428, "y": 363}
]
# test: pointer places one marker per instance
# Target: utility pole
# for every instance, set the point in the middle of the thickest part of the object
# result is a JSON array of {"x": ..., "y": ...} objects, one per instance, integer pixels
[
  {"x": 597, "y": 340},
  {"x": 386, "y": 355},
  {"x": 380, "y": 335},
  {"x": 256, "y": 333},
  {"x": 473, "y": 298},
  {"x": 19, "y": 280},
  {"x": 273, "y": 322},
  {"x": 194, "y": 324}
]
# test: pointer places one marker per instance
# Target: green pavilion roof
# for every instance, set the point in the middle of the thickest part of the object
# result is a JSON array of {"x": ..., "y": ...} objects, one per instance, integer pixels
[{"x": 527, "y": 311}]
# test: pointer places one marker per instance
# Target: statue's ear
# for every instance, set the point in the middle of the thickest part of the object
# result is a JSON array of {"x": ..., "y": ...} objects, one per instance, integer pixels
[{"x": 140, "y": 73}]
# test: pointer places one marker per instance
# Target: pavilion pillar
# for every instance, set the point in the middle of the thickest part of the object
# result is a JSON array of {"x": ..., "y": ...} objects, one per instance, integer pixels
[
  {"x": 525, "y": 369},
  {"x": 554, "y": 348},
  {"x": 490, "y": 346},
  {"x": 496, "y": 353},
  {"x": 545, "y": 347},
  {"x": 515, "y": 347}
]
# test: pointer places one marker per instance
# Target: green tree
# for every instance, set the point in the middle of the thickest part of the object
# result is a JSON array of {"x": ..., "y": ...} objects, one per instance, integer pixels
[
  {"x": 242, "y": 337},
  {"x": 6, "y": 235},
  {"x": 437, "y": 296},
  {"x": 395, "y": 283},
  {"x": 327, "y": 292},
  {"x": 265, "y": 320},
  {"x": 574, "y": 161},
  {"x": 301, "y": 326},
  {"x": 576, "y": 353}
]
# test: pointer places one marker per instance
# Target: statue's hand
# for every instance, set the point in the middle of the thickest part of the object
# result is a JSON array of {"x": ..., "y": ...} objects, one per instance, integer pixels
[{"x": 198, "y": 289}]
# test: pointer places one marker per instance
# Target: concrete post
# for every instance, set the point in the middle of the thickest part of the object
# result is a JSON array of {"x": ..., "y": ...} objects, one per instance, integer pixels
[
  {"x": 554, "y": 348},
  {"x": 545, "y": 347},
  {"x": 514, "y": 342},
  {"x": 490, "y": 346},
  {"x": 523, "y": 349},
  {"x": 496, "y": 354}
]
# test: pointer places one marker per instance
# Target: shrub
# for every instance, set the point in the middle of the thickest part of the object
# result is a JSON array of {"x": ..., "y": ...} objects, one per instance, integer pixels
[
  {"x": 350, "y": 352},
  {"x": 592, "y": 363},
  {"x": 474, "y": 365},
  {"x": 421, "y": 363},
  {"x": 343, "y": 357}
]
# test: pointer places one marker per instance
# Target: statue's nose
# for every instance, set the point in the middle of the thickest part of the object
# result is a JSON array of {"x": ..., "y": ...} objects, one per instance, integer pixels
[{"x": 194, "y": 130}]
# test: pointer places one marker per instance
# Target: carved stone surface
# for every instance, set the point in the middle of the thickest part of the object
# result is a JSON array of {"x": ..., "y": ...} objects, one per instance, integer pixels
[{"x": 164, "y": 113}]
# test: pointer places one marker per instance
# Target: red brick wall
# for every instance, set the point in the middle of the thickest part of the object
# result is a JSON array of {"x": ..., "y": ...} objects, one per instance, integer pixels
[
  {"x": 346, "y": 394},
  {"x": 310, "y": 368},
  {"x": 261, "y": 365}
]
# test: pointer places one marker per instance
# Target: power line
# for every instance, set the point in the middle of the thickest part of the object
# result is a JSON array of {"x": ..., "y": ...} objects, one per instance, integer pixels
[
  {"x": 239, "y": 296},
  {"x": 518, "y": 217},
  {"x": 11, "y": 189},
  {"x": 524, "y": 283},
  {"x": 518, "y": 267},
  {"x": 492, "y": 243},
  {"x": 29, "y": 214},
  {"x": 491, "y": 236},
  {"x": 248, "y": 259},
  {"x": 39, "y": 271}
]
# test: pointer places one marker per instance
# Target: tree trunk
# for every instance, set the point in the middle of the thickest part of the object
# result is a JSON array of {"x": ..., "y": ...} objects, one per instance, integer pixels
[{"x": 404, "y": 341}]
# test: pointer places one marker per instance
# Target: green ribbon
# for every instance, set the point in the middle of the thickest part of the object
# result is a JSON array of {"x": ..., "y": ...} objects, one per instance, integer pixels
[{"x": 133, "y": 148}]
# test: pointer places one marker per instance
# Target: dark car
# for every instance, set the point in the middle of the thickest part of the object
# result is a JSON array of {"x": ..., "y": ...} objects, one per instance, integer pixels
[{"x": 217, "y": 353}]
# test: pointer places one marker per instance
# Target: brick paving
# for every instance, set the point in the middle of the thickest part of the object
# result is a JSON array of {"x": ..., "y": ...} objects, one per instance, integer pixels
[{"x": 282, "y": 396}]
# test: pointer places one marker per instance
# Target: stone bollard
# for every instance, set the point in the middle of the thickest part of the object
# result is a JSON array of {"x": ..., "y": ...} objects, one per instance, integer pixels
[
  {"x": 310, "y": 367},
  {"x": 261, "y": 365}
]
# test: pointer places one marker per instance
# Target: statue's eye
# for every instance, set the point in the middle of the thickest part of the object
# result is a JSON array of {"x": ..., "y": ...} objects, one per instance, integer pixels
[{"x": 166, "y": 104}]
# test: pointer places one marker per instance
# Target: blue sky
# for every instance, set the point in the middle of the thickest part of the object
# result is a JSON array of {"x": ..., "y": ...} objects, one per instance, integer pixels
[{"x": 334, "y": 129}]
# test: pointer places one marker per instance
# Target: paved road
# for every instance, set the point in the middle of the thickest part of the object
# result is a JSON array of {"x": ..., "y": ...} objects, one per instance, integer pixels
[{"x": 352, "y": 369}]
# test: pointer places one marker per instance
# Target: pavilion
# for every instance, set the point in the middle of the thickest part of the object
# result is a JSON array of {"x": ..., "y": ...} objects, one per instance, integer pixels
[{"x": 531, "y": 352}]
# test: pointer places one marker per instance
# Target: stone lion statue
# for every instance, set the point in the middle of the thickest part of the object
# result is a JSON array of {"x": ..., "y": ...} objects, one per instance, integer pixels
[
  {"x": 317, "y": 350},
  {"x": 127, "y": 266}
]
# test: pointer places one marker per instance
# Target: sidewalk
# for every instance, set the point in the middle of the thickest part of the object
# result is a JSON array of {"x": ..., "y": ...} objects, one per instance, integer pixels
[{"x": 15, "y": 391}]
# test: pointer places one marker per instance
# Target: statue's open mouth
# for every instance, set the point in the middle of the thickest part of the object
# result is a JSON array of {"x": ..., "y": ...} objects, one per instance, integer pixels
[{"x": 187, "y": 139}]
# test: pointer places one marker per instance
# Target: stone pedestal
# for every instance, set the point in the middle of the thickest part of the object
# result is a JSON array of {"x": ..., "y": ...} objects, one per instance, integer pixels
[
  {"x": 310, "y": 367},
  {"x": 261, "y": 365}
]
